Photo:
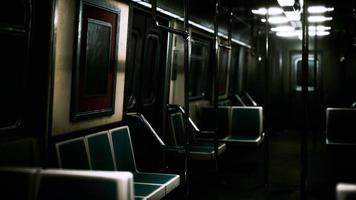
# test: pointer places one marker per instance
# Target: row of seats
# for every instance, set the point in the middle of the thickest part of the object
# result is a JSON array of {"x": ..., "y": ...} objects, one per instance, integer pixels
[
  {"x": 198, "y": 150},
  {"x": 112, "y": 150},
  {"x": 53, "y": 184},
  {"x": 237, "y": 124}
]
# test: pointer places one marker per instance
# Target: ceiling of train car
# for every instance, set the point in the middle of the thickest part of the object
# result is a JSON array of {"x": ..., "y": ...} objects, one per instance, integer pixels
[{"x": 202, "y": 12}]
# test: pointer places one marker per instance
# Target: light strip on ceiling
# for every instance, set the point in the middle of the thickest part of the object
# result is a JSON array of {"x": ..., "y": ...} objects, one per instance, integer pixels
[
  {"x": 319, "y": 28},
  {"x": 277, "y": 20},
  {"x": 197, "y": 25},
  {"x": 319, "y": 18},
  {"x": 271, "y": 11},
  {"x": 319, "y": 9},
  {"x": 282, "y": 29}
]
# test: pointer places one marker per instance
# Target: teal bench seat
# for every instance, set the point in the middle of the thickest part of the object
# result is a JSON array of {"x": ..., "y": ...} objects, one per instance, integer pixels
[{"x": 110, "y": 151}]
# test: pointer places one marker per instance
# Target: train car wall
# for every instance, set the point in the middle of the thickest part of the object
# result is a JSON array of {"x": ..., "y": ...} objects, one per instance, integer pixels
[{"x": 64, "y": 40}]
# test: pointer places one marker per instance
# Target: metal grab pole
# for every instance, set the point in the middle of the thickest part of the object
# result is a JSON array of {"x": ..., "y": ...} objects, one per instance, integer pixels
[
  {"x": 305, "y": 69},
  {"x": 185, "y": 34},
  {"x": 186, "y": 88},
  {"x": 266, "y": 107},
  {"x": 215, "y": 80},
  {"x": 155, "y": 23}
]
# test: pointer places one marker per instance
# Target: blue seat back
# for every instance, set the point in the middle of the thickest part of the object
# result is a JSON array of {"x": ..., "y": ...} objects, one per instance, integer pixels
[
  {"x": 178, "y": 128},
  {"x": 73, "y": 154},
  {"x": 208, "y": 117},
  {"x": 123, "y": 151},
  {"x": 100, "y": 151},
  {"x": 246, "y": 121}
]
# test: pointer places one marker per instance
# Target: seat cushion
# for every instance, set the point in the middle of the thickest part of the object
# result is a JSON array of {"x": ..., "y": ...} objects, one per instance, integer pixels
[
  {"x": 205, "y": 151},
  {"x": 170, "y": 181},
  {"x": 149, "y": 191},
  {"x": 244, "y": 140}
]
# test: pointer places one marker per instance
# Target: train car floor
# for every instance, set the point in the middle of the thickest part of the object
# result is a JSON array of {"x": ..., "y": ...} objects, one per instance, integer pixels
[{"x": 240, "y": 172}]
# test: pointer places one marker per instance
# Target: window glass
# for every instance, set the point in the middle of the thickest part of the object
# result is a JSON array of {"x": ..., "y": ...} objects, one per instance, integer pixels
[
  {"x": 198, "y": 72},
  {"x": 223, "y": 69}
]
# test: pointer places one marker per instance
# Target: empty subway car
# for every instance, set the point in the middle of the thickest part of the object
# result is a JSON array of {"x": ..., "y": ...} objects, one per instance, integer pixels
[{"x": 184, "y": 99}]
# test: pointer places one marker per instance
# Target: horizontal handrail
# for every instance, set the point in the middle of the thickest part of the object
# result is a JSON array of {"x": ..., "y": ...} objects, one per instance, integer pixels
[
  {"x": 14, "y": 126},
  {"x": 156, "y": 24}
]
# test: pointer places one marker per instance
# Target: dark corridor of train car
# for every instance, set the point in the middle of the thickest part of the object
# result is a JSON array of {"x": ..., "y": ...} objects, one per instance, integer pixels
[{"x": 183, "y": 99}]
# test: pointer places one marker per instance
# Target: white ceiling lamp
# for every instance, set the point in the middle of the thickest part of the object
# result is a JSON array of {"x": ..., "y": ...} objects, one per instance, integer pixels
[
  {"x": 319, "y": 18},
  {"x": 319, "y": 9},
  {"x": 322, "y": 33},
  {"x": 263, "y": 20},
  {"x": 319, "y": 28},
  {"x": 287, "y": 34},
  {"x": 319, "y": 33},
  {"x": 283, "y": 29},
  {"x": 277, "y": 20},
  {"x": 275, "y": 11},
  {"x": 271, "y": 11},
  {"x": 260, "y": 11},
  {"x": 285, "y": 3}
]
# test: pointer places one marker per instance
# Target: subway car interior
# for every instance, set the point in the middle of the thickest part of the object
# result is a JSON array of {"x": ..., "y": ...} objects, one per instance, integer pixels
[{"x": 183, "y": 99}]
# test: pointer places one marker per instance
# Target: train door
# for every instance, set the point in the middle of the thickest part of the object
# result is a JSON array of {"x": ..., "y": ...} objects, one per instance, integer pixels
[
  {"x": 146, "y": 73},
  {"x": 314, "y": 90},
  {"x": 24, "y": 39}
]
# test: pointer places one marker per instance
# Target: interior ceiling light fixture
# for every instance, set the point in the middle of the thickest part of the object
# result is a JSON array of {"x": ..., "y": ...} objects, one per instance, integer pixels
[
  {"x": 319, "y": 18},
  {"x": 275, "y": 11},
  {"x": 319, "y": 33},
  {"x": 287, "y": 34},
  {"x": 319, "y": 9},
  {"x": 319, "y": 28},
  {"x": 282, "y": 29},
  {"x": 277, "y": 20},
  {"x": 260, "y": 11},
  {"x": 271, "y": 11}
]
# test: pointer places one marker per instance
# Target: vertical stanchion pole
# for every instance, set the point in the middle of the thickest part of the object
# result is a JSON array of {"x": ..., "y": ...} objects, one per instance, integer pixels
[
  {"x": 317, "y": 90},
  {"x": 305, "y": 69},
  {"x": 266, "y": 107},
  {"x": 215, "y": 79},
  {"x": 186, "y": 89}
]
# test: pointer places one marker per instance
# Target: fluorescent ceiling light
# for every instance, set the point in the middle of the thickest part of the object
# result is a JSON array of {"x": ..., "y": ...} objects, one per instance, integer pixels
[
  {"x": 277, "y": 20},
  {"x": 284, "y": 3},
  {"x": 319, "y": 28},
  {"x": 287, "y": 34},
  {"x": 260, "y": 11},
  {"x": 319, "y": 9},
  {"x": 319, "y": 33},
  {"x": 292, "y": 15},
  {"x": 271, "y": 11},
  {"x": 319, "y": 18},
  {"x": 275, "y": 11},
  {"x": 283, "y": 29},
  {"x": 322, "y": 33}
]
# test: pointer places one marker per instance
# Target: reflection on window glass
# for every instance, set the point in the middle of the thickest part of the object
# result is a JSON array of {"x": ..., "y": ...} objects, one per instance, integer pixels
[
  {"x": 198, "y": 73},
  {"x": 311, "y": 74},
  {"x": 223, "y": 67},
  {"x": 150, "y": 69},
  {"x": 233, "y": 74}
]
